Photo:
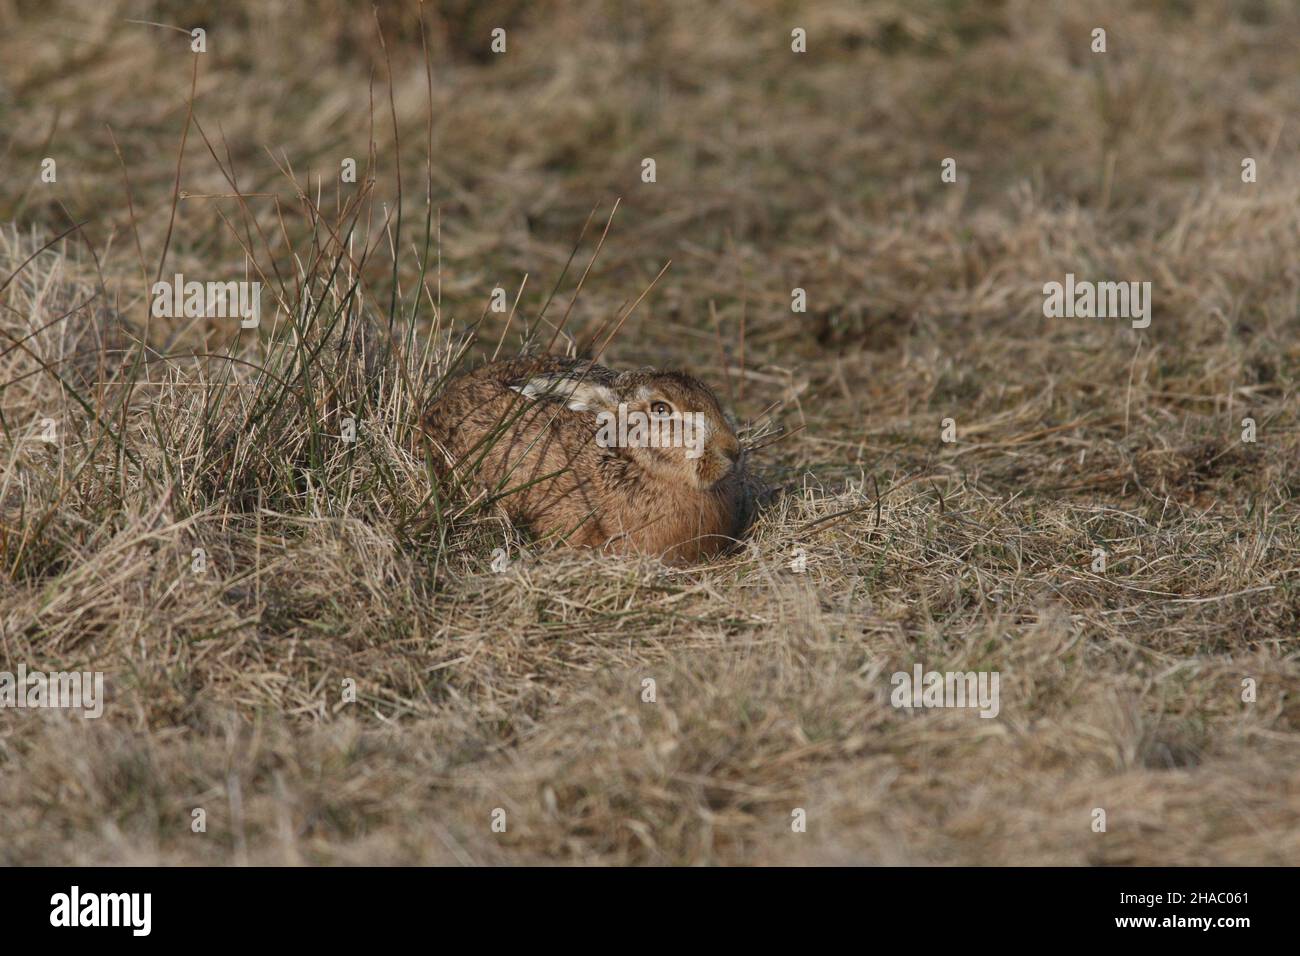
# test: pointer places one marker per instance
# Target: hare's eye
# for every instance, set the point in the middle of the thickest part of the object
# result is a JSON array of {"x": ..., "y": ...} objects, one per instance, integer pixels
[{"x": 661, "y": 409}]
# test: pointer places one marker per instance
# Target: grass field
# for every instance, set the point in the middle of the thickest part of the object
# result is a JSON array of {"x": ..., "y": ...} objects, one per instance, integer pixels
[{"x": 179, "y": 508}]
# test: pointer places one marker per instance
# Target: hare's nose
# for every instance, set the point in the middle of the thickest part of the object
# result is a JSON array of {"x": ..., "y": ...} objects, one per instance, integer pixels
[{"x": 732, "y": 452}]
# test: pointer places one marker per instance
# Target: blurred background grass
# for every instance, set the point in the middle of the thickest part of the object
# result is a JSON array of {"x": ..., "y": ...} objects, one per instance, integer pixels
[{"x": 771, "y": 165}]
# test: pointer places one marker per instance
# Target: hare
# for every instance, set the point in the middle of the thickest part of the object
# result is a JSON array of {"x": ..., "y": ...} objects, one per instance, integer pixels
[{"x": 642, "y": 461}]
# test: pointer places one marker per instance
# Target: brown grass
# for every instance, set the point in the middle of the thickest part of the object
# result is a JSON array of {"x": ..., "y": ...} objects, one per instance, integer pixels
[{"x": 522, "y": 690}]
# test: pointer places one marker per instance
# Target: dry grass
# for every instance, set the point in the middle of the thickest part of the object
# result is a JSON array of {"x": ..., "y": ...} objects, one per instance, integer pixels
[{"x": 522, "y": 690}]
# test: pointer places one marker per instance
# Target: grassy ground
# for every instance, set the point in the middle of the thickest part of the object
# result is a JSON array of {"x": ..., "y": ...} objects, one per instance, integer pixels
[{"x": 327, "y": 561}]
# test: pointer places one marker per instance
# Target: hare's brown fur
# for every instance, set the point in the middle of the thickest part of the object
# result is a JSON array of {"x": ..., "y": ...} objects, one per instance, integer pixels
[{"x": 563, "y": 483}]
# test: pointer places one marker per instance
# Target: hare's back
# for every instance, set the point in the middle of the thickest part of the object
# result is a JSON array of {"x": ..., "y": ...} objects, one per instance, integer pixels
[{"x": 483, "y": 412}]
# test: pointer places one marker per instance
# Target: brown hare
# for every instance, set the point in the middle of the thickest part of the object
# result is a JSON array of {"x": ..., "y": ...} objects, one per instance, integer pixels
[{"x": 641, "y": 461}]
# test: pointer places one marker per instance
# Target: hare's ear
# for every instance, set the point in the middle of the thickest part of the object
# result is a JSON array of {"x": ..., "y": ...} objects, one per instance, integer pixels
[{"x": 579, "y": 395}]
